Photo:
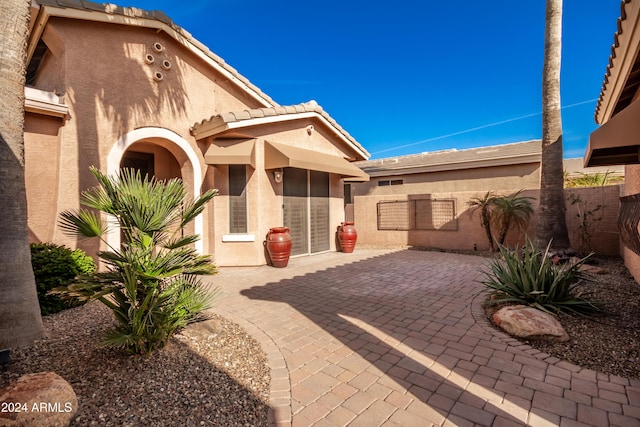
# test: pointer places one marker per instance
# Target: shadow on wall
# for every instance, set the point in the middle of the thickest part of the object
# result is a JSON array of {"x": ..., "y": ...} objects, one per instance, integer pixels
[
  {"x": 404, "y": 314},
  {"x": 128, "y": 82},
  {"x": 444, "y": 220}
]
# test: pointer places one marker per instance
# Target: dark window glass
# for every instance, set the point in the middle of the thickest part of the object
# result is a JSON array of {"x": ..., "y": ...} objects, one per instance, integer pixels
[{"x": 237, "y": 199}]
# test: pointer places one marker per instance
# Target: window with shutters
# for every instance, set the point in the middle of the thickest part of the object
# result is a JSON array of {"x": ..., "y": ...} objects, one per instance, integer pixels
[
  {"x": 417, "y": 214},
  {"x": 237, "y": 199}
]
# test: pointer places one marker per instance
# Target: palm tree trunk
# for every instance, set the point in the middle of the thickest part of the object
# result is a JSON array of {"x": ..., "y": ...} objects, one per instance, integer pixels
[
  {"x": 20, "y": 320},
  {"x": 504, "y": 229},
  {"x": 551, "y": 217},
  {"x": 486, "y": 224}
]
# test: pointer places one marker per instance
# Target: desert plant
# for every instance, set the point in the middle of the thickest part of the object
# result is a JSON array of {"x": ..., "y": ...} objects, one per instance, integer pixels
[
  {"x": 511, "y": 211},
  {"x": 151, "y": 282},
  {"x": 596, "y": 179},
  {"x": 528, "y": 276},
  {"x": 502, "y": 213},
  {"x": 484, "y": 204},
  {"x": 589, "y": 215},
  {"x": 55, "y": 266}
]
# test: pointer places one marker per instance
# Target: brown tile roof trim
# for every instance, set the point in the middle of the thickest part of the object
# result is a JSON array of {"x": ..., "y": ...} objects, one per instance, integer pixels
[
  {"x": 287, "y": 112},
  {"x": 612, "y": 56},
  {"x": 496, "y": 155},
  {"x": 153, "y": 16}
]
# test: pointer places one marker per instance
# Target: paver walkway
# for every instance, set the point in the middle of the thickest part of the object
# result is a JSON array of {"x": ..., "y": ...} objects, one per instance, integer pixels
[{"x": 398, "y": 338}]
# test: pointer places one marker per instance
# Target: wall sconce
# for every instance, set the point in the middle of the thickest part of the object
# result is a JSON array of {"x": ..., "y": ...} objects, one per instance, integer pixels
[{"x": 277, "y": 175}]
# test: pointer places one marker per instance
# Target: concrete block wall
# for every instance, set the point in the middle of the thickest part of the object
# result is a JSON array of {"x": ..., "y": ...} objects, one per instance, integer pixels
[{"x": 469, "y": 235}]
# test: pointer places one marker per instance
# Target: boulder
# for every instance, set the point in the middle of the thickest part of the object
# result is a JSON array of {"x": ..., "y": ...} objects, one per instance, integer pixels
[
  {"x": 528, "y": 322},
  {"x": 44, "y": 399}
]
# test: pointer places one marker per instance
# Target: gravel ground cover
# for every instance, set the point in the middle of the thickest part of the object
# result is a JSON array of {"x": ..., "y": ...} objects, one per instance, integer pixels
[
  {"x": 210, "y": 374},
  {"x": 608, "y": 342}
]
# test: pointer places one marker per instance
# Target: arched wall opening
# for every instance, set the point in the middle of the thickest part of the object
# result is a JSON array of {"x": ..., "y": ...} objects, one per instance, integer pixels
[{"x": 168, "y": 149}]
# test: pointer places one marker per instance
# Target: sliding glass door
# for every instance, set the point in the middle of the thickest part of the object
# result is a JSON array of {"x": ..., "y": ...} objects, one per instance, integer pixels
[{"x": 306, "y": 210}]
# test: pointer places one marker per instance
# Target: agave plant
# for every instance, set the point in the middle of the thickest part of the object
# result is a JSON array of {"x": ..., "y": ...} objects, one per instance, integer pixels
[
  {"x": 151, "y": 283},
  {"x": 528, "y": 276}
]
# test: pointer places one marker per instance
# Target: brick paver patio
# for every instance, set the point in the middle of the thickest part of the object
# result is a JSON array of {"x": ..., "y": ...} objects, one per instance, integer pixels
[{"x": 398, "y": 338}]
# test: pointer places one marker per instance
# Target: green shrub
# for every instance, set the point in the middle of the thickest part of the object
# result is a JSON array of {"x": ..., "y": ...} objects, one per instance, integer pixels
[
  {"x": 151, "y": 283},
  {"x": 528, "y": 276},
  {"x": 55, "y": 266}
]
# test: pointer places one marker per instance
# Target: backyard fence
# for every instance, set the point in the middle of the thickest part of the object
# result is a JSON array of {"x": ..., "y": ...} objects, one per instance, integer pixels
[{"x": 444, "y": 220}]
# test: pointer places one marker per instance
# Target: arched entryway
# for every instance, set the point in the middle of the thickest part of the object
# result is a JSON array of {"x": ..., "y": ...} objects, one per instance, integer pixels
[
  {"x": 165, "y": 154},
  {"x": 151, "y": 158}
]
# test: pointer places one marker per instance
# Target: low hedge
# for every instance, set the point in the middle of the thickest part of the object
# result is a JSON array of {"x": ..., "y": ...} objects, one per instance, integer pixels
[{"x": 54, "y": 266}]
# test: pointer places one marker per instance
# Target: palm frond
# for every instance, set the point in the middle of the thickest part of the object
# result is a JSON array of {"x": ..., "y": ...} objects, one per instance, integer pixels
[
  {"x": 150, "y": 284},
  {"x": 82, "y": 223},
  {"x": 195, "y": 208}
]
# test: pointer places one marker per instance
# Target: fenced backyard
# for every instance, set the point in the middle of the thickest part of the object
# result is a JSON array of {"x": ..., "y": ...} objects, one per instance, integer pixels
[{"x": 445, "y": 221}]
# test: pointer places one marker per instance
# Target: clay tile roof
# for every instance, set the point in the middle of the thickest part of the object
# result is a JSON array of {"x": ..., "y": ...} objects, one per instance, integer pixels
[
  {"x": 519, "y": 152},
  {"x": 289, "y": 110},
  {"x": 241, "y": 115},
  {"x": 612, "y": 56},
  {"x": 269, "y": 112}
]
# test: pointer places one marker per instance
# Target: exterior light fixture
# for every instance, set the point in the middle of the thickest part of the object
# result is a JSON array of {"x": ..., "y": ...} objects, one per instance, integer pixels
[{"x": 277, "y": 175}]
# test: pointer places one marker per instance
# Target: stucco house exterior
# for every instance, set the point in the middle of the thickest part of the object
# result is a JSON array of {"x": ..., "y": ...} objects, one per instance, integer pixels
[
  {"x": 121, "y": 87},
  {"x": 617, "y": 140},
  {"x": 423, "y": 199}
]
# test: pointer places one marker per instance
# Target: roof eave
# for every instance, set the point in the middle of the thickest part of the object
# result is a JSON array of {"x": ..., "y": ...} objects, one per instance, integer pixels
[
  {"x": 621, "y": 60},
  {"x": 443, "y": 167},
  {"x": 217, "y": 125}
]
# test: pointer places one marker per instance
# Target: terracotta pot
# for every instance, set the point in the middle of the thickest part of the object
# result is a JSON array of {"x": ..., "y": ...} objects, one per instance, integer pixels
[
  {"x": 347, "y": 236},
  {"x": 279, "y": 246}
]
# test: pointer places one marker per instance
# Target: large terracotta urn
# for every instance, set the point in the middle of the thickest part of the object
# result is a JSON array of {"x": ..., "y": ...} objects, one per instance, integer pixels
[
  {"x": 347, "y": 236},
  {"x": 279, "y": 246}
]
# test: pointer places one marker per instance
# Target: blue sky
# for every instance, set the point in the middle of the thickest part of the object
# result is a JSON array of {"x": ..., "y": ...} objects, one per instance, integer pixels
[{"x": 412, "y": 76}]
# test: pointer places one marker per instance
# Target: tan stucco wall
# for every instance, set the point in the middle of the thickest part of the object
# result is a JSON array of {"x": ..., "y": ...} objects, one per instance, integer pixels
[
  {"x": 469, "y": 233},
  {"x": 511, "y": 177},
  {"x": 100, "y": 71},
  {"x": 264, "y": 202},
  {"x": 42, "y": 154}
]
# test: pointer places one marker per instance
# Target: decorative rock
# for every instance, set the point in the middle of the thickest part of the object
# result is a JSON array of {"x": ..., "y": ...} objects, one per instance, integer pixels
[
  {"x": 528, "y": 322},
  {"x": 586, "y": 268},
  {"x": 592, "y": 269},
  {"x": 44, "y": 399}
]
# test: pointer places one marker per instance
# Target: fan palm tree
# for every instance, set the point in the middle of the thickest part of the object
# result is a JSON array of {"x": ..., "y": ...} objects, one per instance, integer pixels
[
  {"x": 509, "y": 212},
  {"x": 484, "y": 204},
  {"x": 20, "y": 321},
  {"x": 552, "y": 224},
  {"x": 151, "y": 284}
]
